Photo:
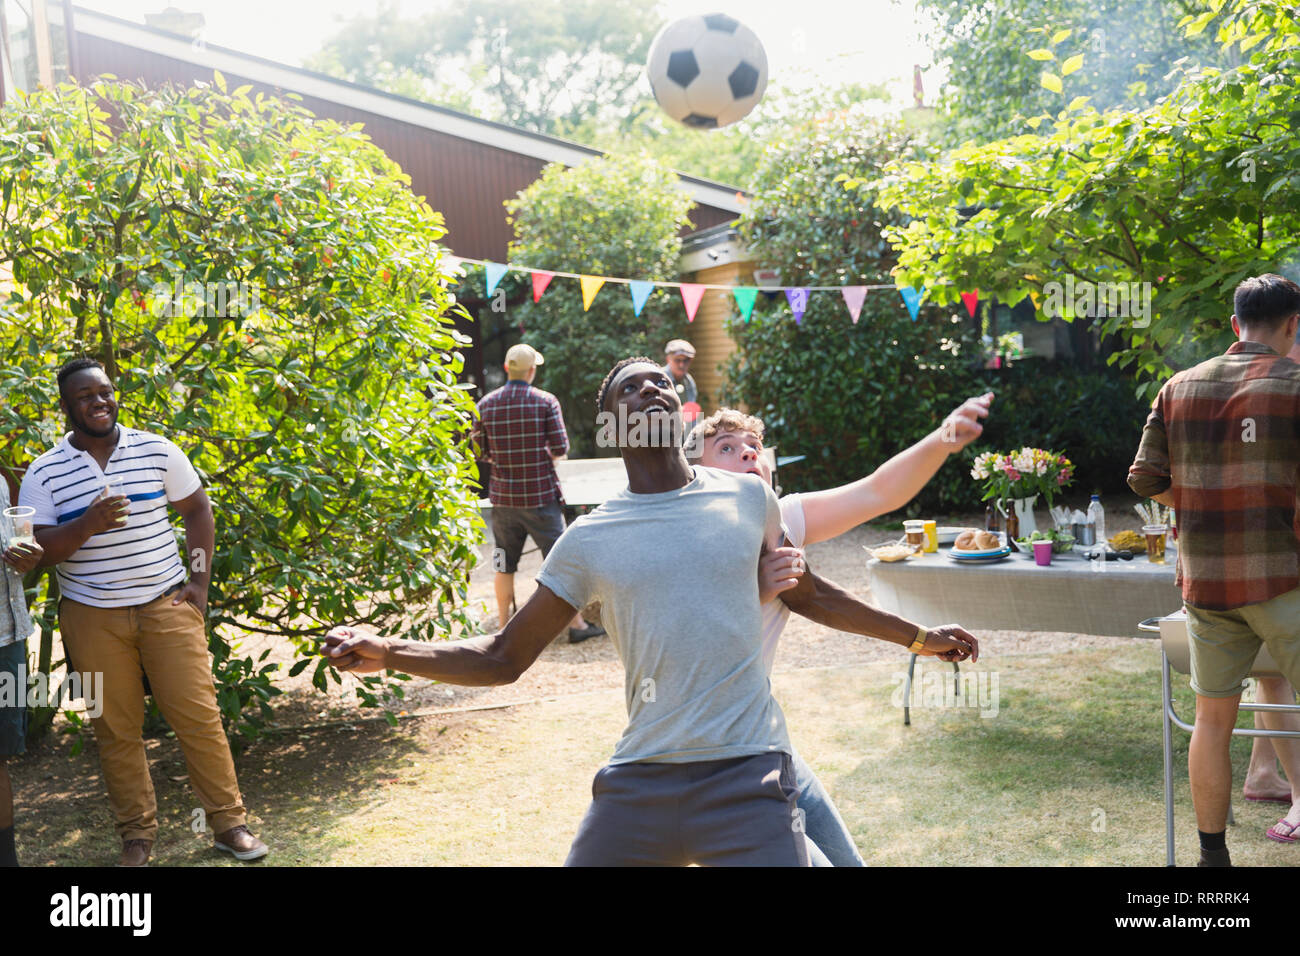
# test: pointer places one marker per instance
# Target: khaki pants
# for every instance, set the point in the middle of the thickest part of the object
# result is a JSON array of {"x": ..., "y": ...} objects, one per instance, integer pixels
[{"x": 167, "y": 642}]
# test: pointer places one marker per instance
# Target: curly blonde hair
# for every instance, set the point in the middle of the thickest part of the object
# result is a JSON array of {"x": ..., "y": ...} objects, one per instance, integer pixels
[{"x": 728, "y": 420}]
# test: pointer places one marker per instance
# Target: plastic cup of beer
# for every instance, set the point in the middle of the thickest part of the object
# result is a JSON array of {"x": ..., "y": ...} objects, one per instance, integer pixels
[
  {"x": 915, "y": 531},
  {"x": 18, "y": 526},
  {"x": 1155, "y": 542}
]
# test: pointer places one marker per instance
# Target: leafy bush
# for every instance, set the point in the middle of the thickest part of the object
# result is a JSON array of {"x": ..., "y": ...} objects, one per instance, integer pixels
[
  {"x": 617, "y": 216},
  {"x": 851, "y": 396},
  {"x": 321, "y": 407}
]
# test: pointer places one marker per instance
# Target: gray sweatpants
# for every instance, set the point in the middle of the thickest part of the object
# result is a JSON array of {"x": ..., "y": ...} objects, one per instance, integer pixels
[{"x": 738, "y": 812}]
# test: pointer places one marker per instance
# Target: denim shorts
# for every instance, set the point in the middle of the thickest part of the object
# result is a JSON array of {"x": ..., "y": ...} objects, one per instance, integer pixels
[
  {"x": 13, "y": 712},
  {"x": 511, "y": 526}
]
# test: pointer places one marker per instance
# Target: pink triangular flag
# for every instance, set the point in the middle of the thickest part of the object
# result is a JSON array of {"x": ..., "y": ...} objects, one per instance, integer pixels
[
  {"x": 540, "y": 281},
  {"x": 691, "y": 295},
  {"x": 853, "y": 296},
  {"x": 971, "y": 300}
]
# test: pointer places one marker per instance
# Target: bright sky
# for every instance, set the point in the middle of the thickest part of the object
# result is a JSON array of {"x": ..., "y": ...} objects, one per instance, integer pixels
[{"x": 866, "y": 40}]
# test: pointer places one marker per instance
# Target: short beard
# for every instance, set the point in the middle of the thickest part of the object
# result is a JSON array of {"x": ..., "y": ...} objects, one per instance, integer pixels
[{"x": 79, "y": 427}]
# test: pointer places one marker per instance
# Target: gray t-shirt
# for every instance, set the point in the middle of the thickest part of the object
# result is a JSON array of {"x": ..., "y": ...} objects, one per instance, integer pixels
[{"x": 677, "y": 577}]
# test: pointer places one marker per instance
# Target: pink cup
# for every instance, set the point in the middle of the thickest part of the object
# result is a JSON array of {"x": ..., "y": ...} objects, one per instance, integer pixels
[{"x": 1042, "y": 553}]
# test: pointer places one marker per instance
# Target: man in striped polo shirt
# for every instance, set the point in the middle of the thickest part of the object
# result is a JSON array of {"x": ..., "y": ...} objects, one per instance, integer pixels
[
  {"x": 1222, "y": 447},
  {"x": 127, "y": 612}
]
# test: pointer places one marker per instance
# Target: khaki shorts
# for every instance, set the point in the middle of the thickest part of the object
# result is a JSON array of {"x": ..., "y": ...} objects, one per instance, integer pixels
[{"x": 1224, "y": 643}]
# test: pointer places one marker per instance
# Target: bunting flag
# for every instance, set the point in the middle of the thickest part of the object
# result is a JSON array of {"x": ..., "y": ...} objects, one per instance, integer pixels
[
  {"x": 912, "y": 299},
  {"x": 745, "y": 296},
  {"x": 640, "y": 292},
  {"x": 798, "y": 299},
  {"x": 691, "y": 294},
  {"x": 495, "y": 273},
  {"x": 853, "y": 297},
  {"x": 540, "y": 281},
  {"x": 590, "y": 286}
]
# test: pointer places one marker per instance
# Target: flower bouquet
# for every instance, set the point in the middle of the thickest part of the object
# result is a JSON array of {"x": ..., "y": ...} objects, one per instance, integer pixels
[
  {"x": 1019, "y": 478},
  {"x": 1023, "y": 474}
]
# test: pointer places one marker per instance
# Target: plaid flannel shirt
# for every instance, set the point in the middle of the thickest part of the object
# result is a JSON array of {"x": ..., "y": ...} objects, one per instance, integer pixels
[
  {"x": 519, "y": 430},
  {"x": 1224, "y": 438}
]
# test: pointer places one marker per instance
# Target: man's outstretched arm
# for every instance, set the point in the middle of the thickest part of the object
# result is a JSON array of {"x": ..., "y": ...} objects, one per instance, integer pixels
[
  {"x": 477, "y": 661},
  {"x": 827, "y": 603},
  {"x": 832, "y": 512}
]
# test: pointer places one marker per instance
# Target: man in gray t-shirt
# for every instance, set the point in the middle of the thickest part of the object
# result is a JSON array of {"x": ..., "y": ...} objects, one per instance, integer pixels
[
  {"x": 703, "y": 772},
  {"x": 696, "y": 685}
]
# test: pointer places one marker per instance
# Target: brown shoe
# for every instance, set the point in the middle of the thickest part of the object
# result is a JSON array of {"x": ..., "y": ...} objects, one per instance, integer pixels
[
  {"x": 135, "y": 853},
  {"x": 241, "y": 844}
]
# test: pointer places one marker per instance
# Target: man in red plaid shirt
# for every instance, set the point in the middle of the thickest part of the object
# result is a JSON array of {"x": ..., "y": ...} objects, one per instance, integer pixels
[
  {"x": 521, "y": 432},
  {"x": 1222, "y": 447}
]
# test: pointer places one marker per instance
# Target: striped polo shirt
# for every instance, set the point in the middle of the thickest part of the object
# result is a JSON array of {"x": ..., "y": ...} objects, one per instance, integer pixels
[{"x": 129, "y": 565}]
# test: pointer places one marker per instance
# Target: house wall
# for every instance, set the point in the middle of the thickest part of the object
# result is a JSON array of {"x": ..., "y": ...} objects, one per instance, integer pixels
[{"x": 713, "y": 346}]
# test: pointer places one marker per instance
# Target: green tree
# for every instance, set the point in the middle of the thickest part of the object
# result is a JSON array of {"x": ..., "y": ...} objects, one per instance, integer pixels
[
  {"x": 307, "y": 366},
  {"x": 848, "y": 396},
  {"x": 1004, "y": 57},
  {"x": 1185, "y": 198},
  {"x": 617, "y": 216},
  {"x": 529, "y": 63},
  {"x": 731, "y": 154}
]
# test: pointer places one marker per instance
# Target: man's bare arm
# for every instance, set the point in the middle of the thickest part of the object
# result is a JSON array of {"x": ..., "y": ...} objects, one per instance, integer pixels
[
  {"x": 827, "y": 603},
  {"x": 832, "y": 512},
  {"x": 498, "y": 658},
  {"x": 64, "y": 540}
]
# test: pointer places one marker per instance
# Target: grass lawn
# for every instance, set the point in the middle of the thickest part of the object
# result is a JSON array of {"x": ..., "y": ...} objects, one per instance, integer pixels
[{"x": 1068, "y": 772}]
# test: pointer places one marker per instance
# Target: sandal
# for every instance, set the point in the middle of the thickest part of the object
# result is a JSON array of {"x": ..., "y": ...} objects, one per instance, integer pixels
[{"x": 1283, "y": 832}]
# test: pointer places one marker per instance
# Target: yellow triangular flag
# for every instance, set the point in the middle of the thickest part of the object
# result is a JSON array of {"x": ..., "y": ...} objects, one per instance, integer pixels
[{"x": 590, "y": 286}]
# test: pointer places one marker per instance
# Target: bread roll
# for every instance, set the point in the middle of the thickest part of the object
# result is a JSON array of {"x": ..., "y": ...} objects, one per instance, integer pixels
[
  {"x": 965, "y": 541},
  {"x": 986, "y": 540}
]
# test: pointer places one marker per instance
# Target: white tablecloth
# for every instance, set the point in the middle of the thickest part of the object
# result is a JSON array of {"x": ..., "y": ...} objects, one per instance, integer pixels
[{"x": 1016, "y": 594}]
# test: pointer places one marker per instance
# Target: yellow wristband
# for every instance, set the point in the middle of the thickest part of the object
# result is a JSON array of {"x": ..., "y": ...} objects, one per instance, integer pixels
[{"x": 919, "y": 643}]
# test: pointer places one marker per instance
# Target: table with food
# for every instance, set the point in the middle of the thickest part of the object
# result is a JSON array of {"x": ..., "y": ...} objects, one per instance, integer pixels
[{"x": 1013, "y": 575}]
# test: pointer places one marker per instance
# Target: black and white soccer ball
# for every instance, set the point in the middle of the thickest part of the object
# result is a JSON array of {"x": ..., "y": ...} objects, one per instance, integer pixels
[{"x": 707, "y": 71}]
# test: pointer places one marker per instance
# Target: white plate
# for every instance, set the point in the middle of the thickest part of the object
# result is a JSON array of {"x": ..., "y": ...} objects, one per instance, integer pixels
[
  {"x": 982, "y": 553},
  {"x": 987, "y": 558}
]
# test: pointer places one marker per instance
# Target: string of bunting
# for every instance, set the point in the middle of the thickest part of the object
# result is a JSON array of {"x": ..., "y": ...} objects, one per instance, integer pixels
[{"x": 693, "y": 292}]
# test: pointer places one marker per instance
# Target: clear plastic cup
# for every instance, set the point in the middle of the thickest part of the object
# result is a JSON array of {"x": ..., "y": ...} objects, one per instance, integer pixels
[
  {"x": 18, "y": 526},
  {"x": 915, "y": 531},
  {"x": 1155, "y": 534}
]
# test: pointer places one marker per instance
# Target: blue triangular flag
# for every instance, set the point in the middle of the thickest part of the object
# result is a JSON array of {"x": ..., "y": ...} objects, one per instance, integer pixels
[
  {"x": 912, "y": 299},
  {"x": 495, "y": 273},
  {"x": 640, "y": 292}
]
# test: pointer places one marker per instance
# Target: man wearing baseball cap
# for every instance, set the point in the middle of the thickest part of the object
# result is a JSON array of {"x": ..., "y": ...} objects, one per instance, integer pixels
[
  {"x": 679, "y": 354},
  {"x": 520, "y": 431}
]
